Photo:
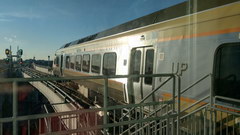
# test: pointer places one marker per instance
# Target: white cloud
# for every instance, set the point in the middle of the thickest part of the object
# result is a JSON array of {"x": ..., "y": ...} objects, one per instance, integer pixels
[
  {"x": 5, "y": 20},
  {"x": 20, "y": 15},
  {"x": 8, "y": 39},
  {"x": 8, "y": 17},
  {"x": 12, "y": 39},
  {"x": 62, "y": 12}
]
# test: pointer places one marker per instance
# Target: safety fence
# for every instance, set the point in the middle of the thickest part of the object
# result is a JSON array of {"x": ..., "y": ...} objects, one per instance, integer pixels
[
  {"x": 104, "y": 120},
  {"x": 208, "y": 115}
]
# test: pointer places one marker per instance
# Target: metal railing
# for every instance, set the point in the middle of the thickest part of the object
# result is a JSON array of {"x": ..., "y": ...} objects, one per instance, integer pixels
[
  {"x": 106, "y": 119},
  {"x": 208, "y": 117},
  {"x": 163, "y": 110},
  {"x": 204, "y": 116}
]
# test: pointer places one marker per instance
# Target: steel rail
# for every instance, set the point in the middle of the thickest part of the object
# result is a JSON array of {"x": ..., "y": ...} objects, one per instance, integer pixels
[{"x": 56, "y": 88}]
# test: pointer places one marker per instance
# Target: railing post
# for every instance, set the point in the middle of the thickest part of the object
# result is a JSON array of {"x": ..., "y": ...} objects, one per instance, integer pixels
[
  {"x": 211, "y": 105},
  {"x": 1, "y": 129},
  {"x": 179, "y": 105},
  {"x": 49, "y": 128},
  {"x": 29, "y": 128},
  {"x": 205, "y": 121},
  {"x": 15, "y": 106},
  {"x": 105, "y": 104},
  {"x": 39, "y": 127},
  {"x": 173, "y": 109}
]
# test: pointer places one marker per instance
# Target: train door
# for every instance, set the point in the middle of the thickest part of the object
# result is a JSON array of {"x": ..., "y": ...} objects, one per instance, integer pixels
[
  {"x": 142, "y": 63},
  {"x": 227, "y": 71},
  {"x": 61, "y": 65}
]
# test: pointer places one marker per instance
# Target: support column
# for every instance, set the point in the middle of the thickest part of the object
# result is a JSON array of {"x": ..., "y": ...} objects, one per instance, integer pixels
[
  {"x": 105, "y": 104},
  {"x": 15, "y": 109}
]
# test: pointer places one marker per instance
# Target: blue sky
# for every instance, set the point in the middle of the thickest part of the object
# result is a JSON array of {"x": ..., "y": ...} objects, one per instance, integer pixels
[{"x": 40, "y": 27}]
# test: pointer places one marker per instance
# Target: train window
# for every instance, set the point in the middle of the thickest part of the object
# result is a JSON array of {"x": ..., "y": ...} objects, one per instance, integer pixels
[
  {"x": 72, "y": 62},
  {"x": 86, "y": 62},
  {"x": 67, "y": 61},
  {"x": 227, "y": 73},
  {"x": 136, "y": 62},
  {"x": 56, "y": 61},
  {"x": 78, "y": 62},
  {"x": 96, "y": 63},
  {"x": 149, "y": 65},
  {"x": 109, "y": 63}
]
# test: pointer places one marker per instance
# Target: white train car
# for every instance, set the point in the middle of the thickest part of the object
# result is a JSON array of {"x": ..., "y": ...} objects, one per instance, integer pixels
[{"x": 189, "y": 39}]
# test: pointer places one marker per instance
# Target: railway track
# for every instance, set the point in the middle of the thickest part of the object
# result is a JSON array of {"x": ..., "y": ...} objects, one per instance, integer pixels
[{"x": 70, "y": 95}]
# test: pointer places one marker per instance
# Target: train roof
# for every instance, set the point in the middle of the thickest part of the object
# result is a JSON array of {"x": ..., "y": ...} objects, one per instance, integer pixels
[{"x": 156, "y": 17}]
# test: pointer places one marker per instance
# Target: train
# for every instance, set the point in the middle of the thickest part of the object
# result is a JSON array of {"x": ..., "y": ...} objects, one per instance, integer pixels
[{"x": 191, "y": 39}]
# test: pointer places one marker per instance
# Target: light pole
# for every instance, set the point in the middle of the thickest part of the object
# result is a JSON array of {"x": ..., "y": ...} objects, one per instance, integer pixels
[{"x": 48, "y": 62}]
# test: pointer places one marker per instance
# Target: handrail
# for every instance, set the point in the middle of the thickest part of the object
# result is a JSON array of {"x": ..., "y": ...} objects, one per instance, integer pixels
[
  {"x": 199, "y": 101},
  {"x": 226, "y": 105},
  {"x": 151, "y": 114},
  {"x": 193, "y": 84},
  {"x": 227, "y": 98},
  {"x": 155, "y": 90},
  {"x": 200, "y": 108},
  {"x": 170, "y": 103},
  {"x": 226, "y": 111},
  {"x": 81, "y": 111},
  {"x": 149, "y": 95},
  {"x": 233, "y": 109},
  {"x": 145, "y": 99}
]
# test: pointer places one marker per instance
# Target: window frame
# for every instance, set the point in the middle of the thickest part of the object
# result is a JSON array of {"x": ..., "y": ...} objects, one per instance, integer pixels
[
  {"x": 136, "y": 79},
  {"x": 67, "y": 62},
  {"x": 103, "y": 72},
  {"x": 100, "y": 66},
  {"x": 72, "y": 62},
  {"x": 216, "y": 65},
  {"x": 146, "y": 64},
  {"x": 80, "y": 62},
  {"x": 56, "y": 61},
  {"x": 88, "y": 70}
]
